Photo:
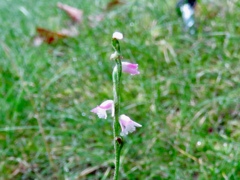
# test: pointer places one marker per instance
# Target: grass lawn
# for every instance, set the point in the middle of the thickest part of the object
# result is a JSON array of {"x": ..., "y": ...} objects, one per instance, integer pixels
[{"x": 187, "y": 97}]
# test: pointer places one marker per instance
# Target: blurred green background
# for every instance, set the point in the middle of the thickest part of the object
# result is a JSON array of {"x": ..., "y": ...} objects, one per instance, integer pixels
[{"x": 186, "y": 97}]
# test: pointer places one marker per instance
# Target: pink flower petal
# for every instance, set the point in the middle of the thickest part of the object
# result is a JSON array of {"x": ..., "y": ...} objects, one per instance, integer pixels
[
  {"x": 102, "y": 109},
  {"x": 127, "y": 125},
  {"x": 100, "y": 112},
  {"x": 130, "y": 68},
  {"x": 107, "y": 104}
]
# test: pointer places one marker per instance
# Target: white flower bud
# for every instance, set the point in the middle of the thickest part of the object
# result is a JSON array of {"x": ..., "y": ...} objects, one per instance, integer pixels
[
  {"x": 114, "y": 56},
  {"x": 117, "y": 35}
]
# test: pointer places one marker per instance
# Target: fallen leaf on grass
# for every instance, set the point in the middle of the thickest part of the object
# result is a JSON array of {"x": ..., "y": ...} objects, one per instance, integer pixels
[
  {"x": 74, "y": 13},
  {"x": 47, "y": 36},
  {"x": 113, "y": 3}
]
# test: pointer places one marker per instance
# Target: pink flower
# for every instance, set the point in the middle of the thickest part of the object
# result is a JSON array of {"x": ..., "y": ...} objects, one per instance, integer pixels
[
  {"x": 130, "y": 68},
  {"x": 102, "y": 109},
  {"x": 127, "y": 125}
]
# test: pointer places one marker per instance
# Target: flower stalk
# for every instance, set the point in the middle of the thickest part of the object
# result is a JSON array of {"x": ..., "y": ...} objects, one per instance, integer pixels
[
  {"x": 116, "y": 75},
  {"x": 126, "y": 123}
]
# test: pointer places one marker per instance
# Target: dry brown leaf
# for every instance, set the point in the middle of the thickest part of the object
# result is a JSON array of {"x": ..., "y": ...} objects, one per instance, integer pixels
[
  {"x": 74, "y": 13},
  {"x": 113, "y": 3},
  {"x": 47, "y": 36}
]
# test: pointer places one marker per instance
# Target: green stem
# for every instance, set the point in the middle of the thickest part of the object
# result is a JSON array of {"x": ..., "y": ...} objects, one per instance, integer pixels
[{"x": 118, "y": 141}]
